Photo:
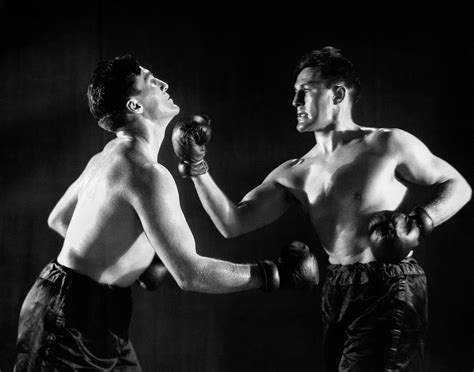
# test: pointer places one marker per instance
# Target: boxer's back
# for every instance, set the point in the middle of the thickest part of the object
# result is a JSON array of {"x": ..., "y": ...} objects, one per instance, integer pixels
[{"x": 105, "y": 238}]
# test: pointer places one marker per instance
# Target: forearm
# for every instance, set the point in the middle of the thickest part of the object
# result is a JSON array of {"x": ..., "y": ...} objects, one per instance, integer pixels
[
  {"x": 209, "y": 275},
  {"x": 223, "y": 212},
  {"x": 450, "y": 197}
]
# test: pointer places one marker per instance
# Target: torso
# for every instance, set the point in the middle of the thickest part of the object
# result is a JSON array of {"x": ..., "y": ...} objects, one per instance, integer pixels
[
  {"x": 340, "y": 192},
  {"x": 105, "y": 239}
]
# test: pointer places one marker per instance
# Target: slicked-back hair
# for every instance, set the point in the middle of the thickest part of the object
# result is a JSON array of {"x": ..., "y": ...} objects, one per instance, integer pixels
[
  {"x": 333, "y": 68},
  {"x": 111, "y": 85}
]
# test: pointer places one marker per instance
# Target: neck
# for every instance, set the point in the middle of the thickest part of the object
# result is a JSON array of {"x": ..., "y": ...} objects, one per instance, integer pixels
[
  {"x": 148, "y": 134},
  {"x": 336, "y": 134}
]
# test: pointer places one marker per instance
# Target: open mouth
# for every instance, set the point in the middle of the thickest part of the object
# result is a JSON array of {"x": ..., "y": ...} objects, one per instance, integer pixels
[{"x": 302, "y": 115}]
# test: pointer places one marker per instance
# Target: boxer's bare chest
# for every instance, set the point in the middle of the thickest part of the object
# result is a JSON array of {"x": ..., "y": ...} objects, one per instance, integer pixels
[{"x": 352, "y": 180}]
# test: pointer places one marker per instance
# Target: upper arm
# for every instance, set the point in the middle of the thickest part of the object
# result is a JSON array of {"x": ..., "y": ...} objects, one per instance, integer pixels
[
  {"x": 154, "y": 196},
  {"x": 265, "y": 203},
  {"x": 61, "y": 214},
  {"x": 416, "y": 163}
]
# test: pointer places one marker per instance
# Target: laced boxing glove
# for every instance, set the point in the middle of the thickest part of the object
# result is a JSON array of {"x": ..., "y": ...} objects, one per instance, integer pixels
[
  {"x": 394, "y": 234},
  {"x": 189, "y": 140},
  {"x": 154, "y": 275},
  {"x": 296, "y": 268}
]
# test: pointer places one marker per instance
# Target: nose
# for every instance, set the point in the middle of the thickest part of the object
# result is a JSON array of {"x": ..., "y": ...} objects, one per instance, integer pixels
[
  {"x": 164, "y": 86},
  {"x": 298, "y": 99}
]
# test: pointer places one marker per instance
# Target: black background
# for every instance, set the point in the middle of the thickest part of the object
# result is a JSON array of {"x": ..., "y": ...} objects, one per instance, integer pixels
[{"x": 234, "y": 63}]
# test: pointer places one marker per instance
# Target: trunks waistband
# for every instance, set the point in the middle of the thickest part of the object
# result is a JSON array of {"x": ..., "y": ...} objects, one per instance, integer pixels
[
  {"x": 54, "y": 271},
  {"x": 362, "y": 272}
]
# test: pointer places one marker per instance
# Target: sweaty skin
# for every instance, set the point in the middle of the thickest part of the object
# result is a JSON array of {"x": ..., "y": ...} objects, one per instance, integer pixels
[
  {"x": 351, "y": 173},
  {"x": 124, "y": 208}
]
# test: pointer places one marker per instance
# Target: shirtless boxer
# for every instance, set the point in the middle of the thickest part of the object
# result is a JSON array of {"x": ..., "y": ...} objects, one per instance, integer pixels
[
  {"x": 351, "y": 184},
  {"x": 120, "y": 215}
]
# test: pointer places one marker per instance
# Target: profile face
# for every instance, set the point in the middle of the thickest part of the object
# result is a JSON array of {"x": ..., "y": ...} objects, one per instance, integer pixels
[
  {"x": 154, "y": 97},
  {"x": 312, "y": 100}
]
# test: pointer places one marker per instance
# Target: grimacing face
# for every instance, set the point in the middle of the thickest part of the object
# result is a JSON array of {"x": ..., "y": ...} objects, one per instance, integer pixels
[
  {"x": 154, "y": 97},
  {"x": 313, "y": 101}
]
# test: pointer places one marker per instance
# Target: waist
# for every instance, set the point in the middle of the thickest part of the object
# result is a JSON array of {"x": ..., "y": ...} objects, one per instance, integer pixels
[
  {"x": 363, "y": 257},
  {"x": 74, "y": 279},
  {"x": 122, "y": 272},
  {"x": 363, "y": 272},
  {"x": 84, "y": 304}
]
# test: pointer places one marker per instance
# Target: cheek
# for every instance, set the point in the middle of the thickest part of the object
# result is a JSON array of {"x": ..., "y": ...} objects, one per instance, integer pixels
[
  {"x": 322, "y": 105},
  {"x": 310, "y": 104},
  {"x": 313, "y": 106},
  {"x": 159, "y": 105}
]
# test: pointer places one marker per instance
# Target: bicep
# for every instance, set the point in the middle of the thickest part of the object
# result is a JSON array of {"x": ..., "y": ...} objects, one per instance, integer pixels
[{"x": 264, "y": 204}]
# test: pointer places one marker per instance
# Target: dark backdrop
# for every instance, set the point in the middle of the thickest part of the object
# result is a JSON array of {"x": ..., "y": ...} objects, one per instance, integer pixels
[{"x": 236, "y": 66}]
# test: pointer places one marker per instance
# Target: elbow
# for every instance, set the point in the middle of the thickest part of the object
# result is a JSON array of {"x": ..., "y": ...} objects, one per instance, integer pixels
[
  {"x": 184, "y": 282},
  {"x": 228, "y": 234},
  {"x": 229, "y": 231},
  {"x": 467, "y": 192},
  {"x": 463, "y": 191},
  {"x": 52, "y": 221},
  {"x": 56, "y": 224},
  {"x": 188, "y": 277}
]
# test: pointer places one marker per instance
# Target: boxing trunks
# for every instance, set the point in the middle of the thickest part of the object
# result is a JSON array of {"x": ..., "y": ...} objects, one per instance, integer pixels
[
  {"x": 69, "y": 322},
  {"x": 375, "y": 316}
]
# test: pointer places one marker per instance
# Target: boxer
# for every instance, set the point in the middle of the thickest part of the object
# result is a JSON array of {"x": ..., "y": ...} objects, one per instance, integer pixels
[
  {"x": 122, "y": 223},
  {"x": 351, "y": 183}
]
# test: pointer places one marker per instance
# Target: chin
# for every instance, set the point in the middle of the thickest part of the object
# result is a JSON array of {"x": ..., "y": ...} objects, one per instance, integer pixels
[
  {"x": 173, "y": 111},
  {"x": 303, "y": 127}
]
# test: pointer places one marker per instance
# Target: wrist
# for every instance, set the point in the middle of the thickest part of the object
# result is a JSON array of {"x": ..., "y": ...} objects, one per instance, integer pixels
[
  {"x": 192, "y": 169},
  {"x": 269, "y": 276},
  {"x": 423, "y": 220}
]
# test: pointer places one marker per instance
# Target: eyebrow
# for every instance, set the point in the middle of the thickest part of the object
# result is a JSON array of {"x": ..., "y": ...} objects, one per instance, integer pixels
[{"x": 309, "y": 83}]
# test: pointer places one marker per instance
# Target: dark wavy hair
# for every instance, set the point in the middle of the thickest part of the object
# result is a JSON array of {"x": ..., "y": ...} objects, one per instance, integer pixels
[
  {"x": 111, "y": 85},
  {"x": 333, "y": 68}
]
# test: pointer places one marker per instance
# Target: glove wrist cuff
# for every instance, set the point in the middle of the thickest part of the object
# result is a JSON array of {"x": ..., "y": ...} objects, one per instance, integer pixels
[
  {"x": 269, "y": 275},
  {"x": 423, "y": 220},
  {"x": 192, "y": 169}
]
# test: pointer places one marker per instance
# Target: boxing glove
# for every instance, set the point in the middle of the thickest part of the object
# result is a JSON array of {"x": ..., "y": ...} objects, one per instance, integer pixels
[
  {"x": 189, "y": 140},
  {"x": 296, "y": 268},
  {"x": 154, "y": 275},
  {"x": 394, "y": 234}
]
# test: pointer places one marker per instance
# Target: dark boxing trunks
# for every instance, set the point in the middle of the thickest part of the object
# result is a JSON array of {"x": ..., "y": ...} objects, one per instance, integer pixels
[
  {"x": 375, "y": 316},
  {"x": 69, "y": 322}
]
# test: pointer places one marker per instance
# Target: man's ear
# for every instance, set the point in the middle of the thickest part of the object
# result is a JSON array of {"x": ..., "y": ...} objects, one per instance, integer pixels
[
  {"x": 134, "y": 107},
  {"x": 339, "y": 94}
]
